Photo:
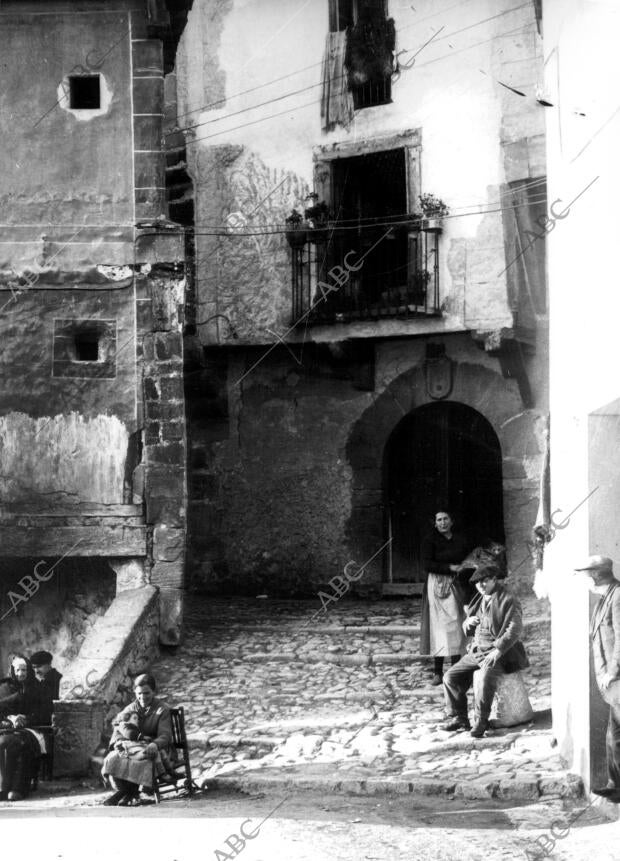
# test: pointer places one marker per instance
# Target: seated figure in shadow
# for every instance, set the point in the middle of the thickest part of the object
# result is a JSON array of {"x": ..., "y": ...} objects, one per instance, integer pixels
[{"x": 20, "y": 747}]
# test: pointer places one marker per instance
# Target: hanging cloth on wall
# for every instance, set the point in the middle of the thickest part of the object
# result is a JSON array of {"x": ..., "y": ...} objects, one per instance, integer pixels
[
  {"x": 370, "y": 48},
  {"x": 336, "y": 98}
]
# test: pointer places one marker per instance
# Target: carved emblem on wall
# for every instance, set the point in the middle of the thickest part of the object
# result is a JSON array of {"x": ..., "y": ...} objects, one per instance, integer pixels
[{"x": 439, "y": 376}]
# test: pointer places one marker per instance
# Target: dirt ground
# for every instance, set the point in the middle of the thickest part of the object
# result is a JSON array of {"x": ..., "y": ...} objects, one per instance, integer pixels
[{"x": 306, "y": 827}]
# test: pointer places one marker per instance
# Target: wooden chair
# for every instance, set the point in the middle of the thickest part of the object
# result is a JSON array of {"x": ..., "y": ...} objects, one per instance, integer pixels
[
  {"x": 44, "y": 765},
  {"x": 168, "y": 783}
]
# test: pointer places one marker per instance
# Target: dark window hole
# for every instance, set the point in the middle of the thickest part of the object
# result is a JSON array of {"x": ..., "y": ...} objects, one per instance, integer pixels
[
  {"x": 87, "y": 346},
  {"x": 84, "y": 92}
]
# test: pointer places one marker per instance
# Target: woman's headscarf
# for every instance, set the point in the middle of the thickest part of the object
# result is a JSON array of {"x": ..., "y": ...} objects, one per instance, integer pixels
[{"x": 30, "y": 677}]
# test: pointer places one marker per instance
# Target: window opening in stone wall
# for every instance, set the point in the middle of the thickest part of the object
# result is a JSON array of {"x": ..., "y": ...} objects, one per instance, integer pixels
[
  {"x": 84, "y": 347},
  {"x": 84, "y": 92},
  {"x": 87, "y": 345}
]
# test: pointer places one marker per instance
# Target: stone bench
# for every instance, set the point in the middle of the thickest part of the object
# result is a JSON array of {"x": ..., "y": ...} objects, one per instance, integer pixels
[{"x": 511, "y": 704}]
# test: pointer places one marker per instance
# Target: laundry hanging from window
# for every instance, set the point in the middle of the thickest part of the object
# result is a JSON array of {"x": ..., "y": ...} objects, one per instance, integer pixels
[{"x": 336, "y": 99}]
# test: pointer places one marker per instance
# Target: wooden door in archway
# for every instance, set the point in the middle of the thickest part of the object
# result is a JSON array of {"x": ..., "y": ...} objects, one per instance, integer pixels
[{"x": 443, "y": 454}]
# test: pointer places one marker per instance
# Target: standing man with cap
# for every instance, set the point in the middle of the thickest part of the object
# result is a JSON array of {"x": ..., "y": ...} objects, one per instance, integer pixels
[
  {"x": 605, "y": 636},
  {"x": 46, "y": 686},
  {"x": 495, "y": 649}
]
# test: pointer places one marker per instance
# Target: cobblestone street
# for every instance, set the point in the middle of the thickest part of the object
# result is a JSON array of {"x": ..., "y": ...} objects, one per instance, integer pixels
[{"x": 344, "y": 703}]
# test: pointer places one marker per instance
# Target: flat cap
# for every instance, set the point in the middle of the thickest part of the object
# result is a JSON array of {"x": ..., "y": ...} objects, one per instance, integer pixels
[
  {"x": 595, "y": 563},
  {"x": 41, "y": 658},
  {"x": 487, "y": 571}
]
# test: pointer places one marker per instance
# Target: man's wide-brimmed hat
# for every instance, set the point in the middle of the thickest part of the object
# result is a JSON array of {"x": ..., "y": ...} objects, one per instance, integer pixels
[
  {"x": 596, "y": 565},
  {"x": 487, "y": 571}
]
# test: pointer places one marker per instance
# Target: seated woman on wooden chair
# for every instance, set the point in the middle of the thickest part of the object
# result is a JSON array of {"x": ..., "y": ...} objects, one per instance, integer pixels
[
  {"x": 141, "y": 745},
  {"x": 20, "y": 747}
]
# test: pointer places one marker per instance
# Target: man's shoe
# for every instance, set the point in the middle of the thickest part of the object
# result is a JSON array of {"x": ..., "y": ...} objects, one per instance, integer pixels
[
  {"x": 15, "y": 796},
  {"x": 479, "y": 729},
  {"x": 456, "y": 723},
  {"x": 436, "y": 679}
]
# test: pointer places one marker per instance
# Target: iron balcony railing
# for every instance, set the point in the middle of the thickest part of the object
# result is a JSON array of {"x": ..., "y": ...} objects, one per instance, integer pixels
[{"x": 377, "y": 272}]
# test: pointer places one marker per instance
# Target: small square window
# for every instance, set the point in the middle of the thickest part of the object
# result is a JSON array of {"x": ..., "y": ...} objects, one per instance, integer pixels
[
  {"x": 87, "y": 345},
  {"x": 84, "y": 92},
  {"x": 84, "y": 348}
]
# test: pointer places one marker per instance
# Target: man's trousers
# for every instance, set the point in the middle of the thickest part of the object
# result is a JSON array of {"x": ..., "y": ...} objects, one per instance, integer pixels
[
  {"x": 459, "y": 678},
  {"x": 611, "y": 695}
]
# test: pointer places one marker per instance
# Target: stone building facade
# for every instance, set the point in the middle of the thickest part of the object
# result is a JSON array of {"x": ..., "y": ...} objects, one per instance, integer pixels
[
  {"x": 330, "y": 414},
  {"x": 92, "y": 293}
]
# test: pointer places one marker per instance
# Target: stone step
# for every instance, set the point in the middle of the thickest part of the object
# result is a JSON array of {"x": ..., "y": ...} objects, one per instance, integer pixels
[
  {"x": 523, "y": 786},
  {"x": 301, "y": 628},
  {"x": 213, "y": 738}
]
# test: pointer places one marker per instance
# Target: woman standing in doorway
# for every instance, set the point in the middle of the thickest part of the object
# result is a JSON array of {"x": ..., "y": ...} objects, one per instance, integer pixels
[{"x": 441, "y": 633}]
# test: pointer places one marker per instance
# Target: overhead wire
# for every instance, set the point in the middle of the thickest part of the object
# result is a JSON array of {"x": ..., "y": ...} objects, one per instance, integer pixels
[
  {"x": 176, "y": 130},
  {"x": 334, "y": 226},
  {"x": 292, "y": 109},
  {"x": 223, "y": 100}
]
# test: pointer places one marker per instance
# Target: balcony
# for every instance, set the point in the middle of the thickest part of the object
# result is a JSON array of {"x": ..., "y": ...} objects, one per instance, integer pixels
[{"x": 396, "y": 273}]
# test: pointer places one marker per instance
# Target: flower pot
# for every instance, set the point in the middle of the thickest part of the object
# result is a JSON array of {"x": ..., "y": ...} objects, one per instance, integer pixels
[
  {"x": 432, "y": 225},
  {"x": 296, "y": 238}
]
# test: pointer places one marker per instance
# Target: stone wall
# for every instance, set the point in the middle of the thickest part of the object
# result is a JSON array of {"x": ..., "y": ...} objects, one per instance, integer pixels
[{"x": 295, "y": 490}]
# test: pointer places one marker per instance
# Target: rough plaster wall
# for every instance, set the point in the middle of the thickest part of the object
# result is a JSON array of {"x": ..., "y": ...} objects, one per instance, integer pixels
[
  {"x": 62, "y": 459},
  {"x": 75, "y": 188},
  {"x": 287, "y": 483},
  {"x": 246, "y": 277},
  {"x": 201, "y": 39},
  {"x": 292, "y": 503}
]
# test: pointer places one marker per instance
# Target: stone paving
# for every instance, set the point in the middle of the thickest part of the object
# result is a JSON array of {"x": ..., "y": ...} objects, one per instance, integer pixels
[{"x": 343, "y": 702}]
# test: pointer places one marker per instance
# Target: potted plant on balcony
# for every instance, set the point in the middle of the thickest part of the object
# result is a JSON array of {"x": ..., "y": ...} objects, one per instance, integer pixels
[
  {"x": 317, "y": 217},
  {"x": 434, "y": 210},
  {"x": 296, "y": 229}
]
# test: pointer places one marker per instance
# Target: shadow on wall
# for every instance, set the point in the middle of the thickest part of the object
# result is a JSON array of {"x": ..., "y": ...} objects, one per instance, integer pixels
[{"x": 59, "y": 614}]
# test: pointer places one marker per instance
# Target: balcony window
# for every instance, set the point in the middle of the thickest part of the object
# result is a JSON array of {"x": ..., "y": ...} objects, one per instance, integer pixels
[{"x": 396, "y": 264}]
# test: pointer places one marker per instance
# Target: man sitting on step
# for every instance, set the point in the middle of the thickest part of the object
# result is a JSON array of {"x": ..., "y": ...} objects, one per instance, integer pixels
[{"x": 494, "y": 650}]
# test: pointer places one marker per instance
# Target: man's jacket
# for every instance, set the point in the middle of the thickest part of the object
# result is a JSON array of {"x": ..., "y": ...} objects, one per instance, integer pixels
[
  {"x": 605, "y": 634},
  {"x": 506, "y": 629}
]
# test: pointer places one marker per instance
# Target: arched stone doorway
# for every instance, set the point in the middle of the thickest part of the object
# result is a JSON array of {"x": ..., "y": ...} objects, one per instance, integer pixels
[
  {"x": 442, "y": 452},
  {"x": 520, "y": 438}
]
